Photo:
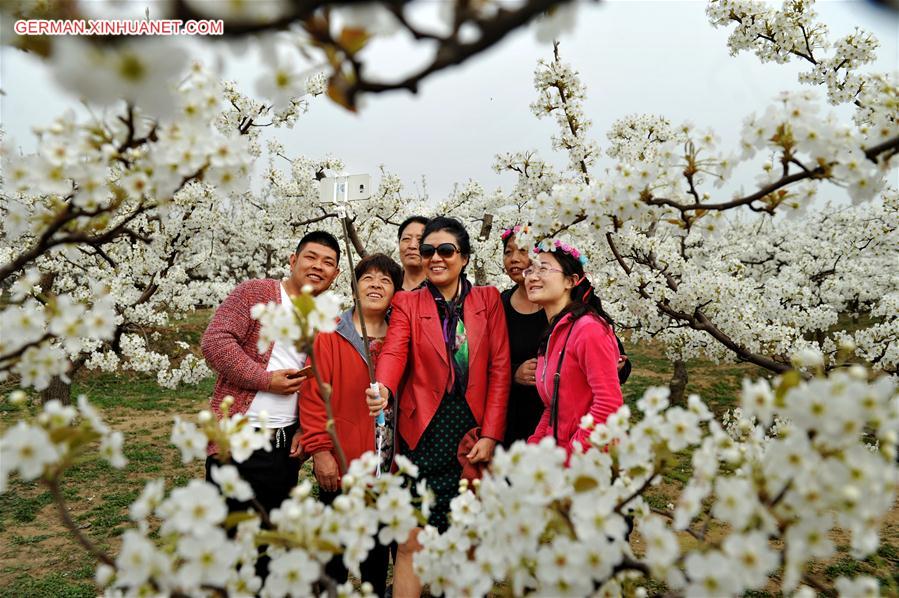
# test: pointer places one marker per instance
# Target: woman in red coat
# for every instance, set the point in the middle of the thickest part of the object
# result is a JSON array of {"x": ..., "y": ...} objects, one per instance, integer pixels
[
  {"x": 447, "y": 346},
  {"x": 340, "y": 359},
  {"x": 577, "y": 363}
]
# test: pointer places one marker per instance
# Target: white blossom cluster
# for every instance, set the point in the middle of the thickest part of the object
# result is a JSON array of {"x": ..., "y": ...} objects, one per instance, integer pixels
[
  {"x": 193, "y": 554},
  {"x": 793, "y": 32},
  {"x": 825, "y": 281},
  {"x": 561, "y": 94},
  {"x": 29, "y": 325},
  {"x": 149, "y": 207},
  {"x": 799, "y": 459},
  {"x": 307, "y": 316},
  {"x": 538, "y": 526},
  {"x": 42, "y": 447},
  {"x": 671, "y": 262}
]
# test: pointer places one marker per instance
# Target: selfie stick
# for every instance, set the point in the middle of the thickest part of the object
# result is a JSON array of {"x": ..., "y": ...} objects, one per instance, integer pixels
[{"x": 381, "y": 420}]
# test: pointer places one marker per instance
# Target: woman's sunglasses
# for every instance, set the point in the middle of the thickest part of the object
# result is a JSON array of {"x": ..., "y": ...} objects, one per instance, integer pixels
[{"x": 444, "y": 250}]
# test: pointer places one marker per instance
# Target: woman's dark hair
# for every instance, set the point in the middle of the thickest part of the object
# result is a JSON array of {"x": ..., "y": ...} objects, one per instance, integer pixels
[
  {"x": 583, "y": 300},
  {"x": 380, "y": 263},
  {"x": 452, "y": 226},
  {"x": 408, "y": 221}
]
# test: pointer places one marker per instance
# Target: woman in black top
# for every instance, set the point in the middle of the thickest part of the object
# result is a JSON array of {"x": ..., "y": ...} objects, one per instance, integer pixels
[{"x": 526, "y": 323}]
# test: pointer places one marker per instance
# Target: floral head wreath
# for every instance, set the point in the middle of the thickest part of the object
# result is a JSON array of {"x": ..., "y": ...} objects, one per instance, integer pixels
[
  {"x": 513, "y": 230},
  {"x": 557, "y": 245}
]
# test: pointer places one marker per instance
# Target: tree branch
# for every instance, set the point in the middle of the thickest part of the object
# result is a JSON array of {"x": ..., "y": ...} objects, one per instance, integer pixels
[
  {"x": 452, "y": 52},
  {"x": 92, "y": 549}
]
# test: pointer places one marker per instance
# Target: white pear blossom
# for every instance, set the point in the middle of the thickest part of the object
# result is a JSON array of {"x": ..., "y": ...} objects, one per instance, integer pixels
[
  {"x": 27, "y": 450},
  {"x": 189, "y": 440},
  {"x": 229, "y": 482},
  {"x": 291, "y": 573},
  {"x": 193, "y": 507}
]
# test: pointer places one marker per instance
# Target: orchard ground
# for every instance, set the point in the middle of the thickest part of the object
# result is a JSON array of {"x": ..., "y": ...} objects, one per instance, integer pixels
[{"x": 39, "y": 558}]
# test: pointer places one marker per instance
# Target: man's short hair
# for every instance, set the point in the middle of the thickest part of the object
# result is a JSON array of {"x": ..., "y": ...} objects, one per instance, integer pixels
[
  {"x": 419, "y": 219},
  {"x": 322, "y": 238},
  {"x": 380, "y": 263}
]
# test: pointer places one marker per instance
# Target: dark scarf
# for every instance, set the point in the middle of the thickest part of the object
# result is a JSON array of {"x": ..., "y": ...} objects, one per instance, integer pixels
[{"x": 451, "y": 313}]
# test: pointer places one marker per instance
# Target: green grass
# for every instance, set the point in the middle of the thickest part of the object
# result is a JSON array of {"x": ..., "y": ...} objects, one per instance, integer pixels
[
  {"x": 17, "y": 508},
  {"x": 109, "y": 513},
  {"x": 23, "y": 541},
  {"x": 845, "y": 567},
  {"x": 111, "y": 391},
  {"x": 56, "y": 584}
]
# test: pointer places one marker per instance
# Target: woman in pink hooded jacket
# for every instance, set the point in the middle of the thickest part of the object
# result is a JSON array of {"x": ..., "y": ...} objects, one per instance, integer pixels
[{"x": 577, "y": 363}]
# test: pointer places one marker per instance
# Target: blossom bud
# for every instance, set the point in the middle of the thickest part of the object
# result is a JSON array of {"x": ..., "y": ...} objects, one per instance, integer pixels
[
  {"x": 348, "y": 481},
  {"x": 104, "y": 575},
  {"x": 227, "y": 401},
  {"x": 18, "y": 397},
  {"x": 204, "y": 417},
  {"x": 301, "y": 490},
  {"x": 342, "y": 503},
  {"x": 587, "y": 422},
  {"x": 858, "y": 372},
  {"x": 306, "y": 289},
  {"x": 808, "y": 358},
  {"x": 851, "y": 494},
  {"x": 848, "y": 345}
]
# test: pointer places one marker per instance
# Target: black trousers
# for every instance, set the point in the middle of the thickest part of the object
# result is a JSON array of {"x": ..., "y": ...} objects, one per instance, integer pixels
[
  {"x": 373, "y": 568},
  {"x": 272, "y": 475}
]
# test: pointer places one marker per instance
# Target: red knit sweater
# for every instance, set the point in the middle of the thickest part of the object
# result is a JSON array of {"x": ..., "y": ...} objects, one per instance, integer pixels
[{"x": 229, "y": 346}]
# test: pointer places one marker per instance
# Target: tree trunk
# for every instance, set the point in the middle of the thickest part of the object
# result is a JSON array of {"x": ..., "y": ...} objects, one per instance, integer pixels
[
  {"x": 480, "y": 273},
  {"x": 678, "y": 383},
  {"x": 268, "y": 261},
  {"x": 59, "y": 390}
]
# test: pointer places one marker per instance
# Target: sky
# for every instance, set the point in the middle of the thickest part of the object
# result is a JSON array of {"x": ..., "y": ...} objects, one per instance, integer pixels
[{"x": 634, "y": 56}]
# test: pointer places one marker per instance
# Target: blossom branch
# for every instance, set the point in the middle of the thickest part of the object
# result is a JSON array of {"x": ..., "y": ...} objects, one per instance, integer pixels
[
  {"x": 325, "y": 389},
  {"x": 92, "y": 549},
  {"x": 699, "y": 321},
  {"x": 452, "y": 51},
  {"x": 9, "y": 360}
]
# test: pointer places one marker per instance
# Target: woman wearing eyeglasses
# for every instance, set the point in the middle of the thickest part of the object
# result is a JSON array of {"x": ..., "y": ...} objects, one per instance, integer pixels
[
  {"x": 527, "y": 322},
  {"x": 447, "y": 343},
  {"x": 577, "y": 362}
]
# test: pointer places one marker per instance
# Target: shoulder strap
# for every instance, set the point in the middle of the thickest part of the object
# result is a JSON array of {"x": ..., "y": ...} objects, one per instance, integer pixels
[{"x": 554, "y": 405}]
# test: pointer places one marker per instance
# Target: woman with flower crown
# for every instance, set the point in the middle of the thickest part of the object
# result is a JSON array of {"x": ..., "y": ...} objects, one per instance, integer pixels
[{"x": 577, "y": 362}]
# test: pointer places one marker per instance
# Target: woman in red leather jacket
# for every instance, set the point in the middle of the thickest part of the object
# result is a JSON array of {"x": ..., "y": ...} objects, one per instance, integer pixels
[{"x": 447, "y": 355}]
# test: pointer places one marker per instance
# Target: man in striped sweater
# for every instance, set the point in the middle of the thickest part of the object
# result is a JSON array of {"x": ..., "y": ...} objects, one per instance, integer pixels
[{"x": 266, "y": 382}]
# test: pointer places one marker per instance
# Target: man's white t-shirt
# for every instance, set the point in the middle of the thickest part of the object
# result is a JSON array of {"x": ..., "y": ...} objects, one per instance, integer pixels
[{"x": 281, "y": 409}]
